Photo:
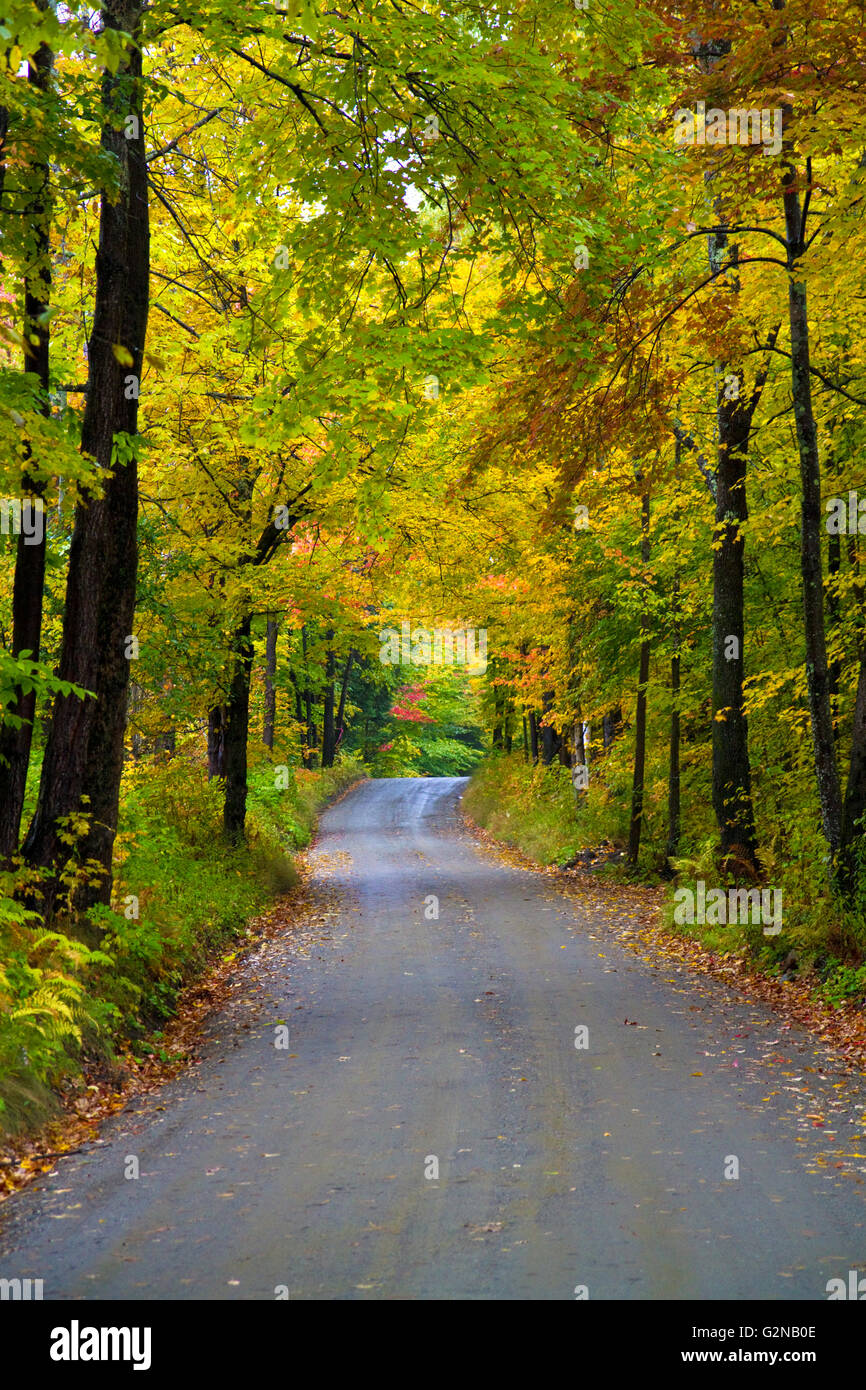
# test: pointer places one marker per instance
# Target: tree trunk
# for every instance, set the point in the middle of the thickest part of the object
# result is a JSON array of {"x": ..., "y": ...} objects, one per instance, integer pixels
[
  {"x": 855, "y": 794},
  {"x": 549, "y": 736},
  {"x": 637, "y": 788},
  {"x": 344, "y": 686},
  {"x": 674, "y": 764},
  {"x": 581, "y": 785},
  {"x": 328, "y": 705},
  {"x": 834, "y": 669},
  {"x": 834, "y": 613},
  {"x": 732, "y": 774},
  {"x": 29, "y": 581},
  {"x": 270, "y": 689},
  {"x": 84, "y": 752},
  {"x": 817, "y": 675},
  {"x": 732, "y": 782},
  {"x": 299, "y": 720},
  {"x": 311, "y": 739},
  {"x": 611, "y": 725},
  {"x": 497, "y": 727},
  {"x": 236, "y": 732},
  {"x": 548, "y": 744},
  {"x": 533, "y": 735},
  {"x": 216, "y": 748},
  {"x": 579, "y": 741}
]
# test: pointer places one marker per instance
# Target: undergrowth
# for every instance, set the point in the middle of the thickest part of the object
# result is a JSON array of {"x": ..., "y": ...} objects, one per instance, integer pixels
[
  {"x": 180, "y": 895},
  {"x": 534, "y": 809}
]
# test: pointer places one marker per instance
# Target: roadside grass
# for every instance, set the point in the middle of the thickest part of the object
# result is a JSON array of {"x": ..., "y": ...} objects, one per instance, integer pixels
[
  {"x": 534, "y": 809},
  {"x": 180, "y": 896}
]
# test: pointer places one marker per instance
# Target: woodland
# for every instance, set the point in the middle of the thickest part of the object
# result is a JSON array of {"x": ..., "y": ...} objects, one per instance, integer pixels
[{"x": 537, "y": 321}]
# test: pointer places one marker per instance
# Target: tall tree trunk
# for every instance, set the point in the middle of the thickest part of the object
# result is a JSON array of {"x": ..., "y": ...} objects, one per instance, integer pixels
[
  {"x": 834, "y": 669},
  {"x": 549, "y": 736},
  {"x": 216, "y": 745},
  {"x": 732, "y": 780},
  {"x": 84, "y": 752},
  {"x": 299, "y": 718},
  {"x": 580, "y": 785},
  {"x": 270, "y": 689},
  {"x": 344, "y": 687},
  {"x": 497, "y": 722},
  {"x": 611, "y": 725},
  {"x": 637, "y": 789},
  {"x": 328, "y": 705},
  {"x": 817, "y": 675},
  {"x": 525, "y": 741},
  {"x": 834, "y": 570},
  {"x": 674, "y": 762},
  {"x": 311, "y": 739},
  {"x": 855, "y": 794},
  {"x": 579, "y": 741},
  {"x": 533, "y": 735},
  {"x": 732, "y": 773},
  {"x": 237, "y": 720},
  {"x": 15, "y": 743}
]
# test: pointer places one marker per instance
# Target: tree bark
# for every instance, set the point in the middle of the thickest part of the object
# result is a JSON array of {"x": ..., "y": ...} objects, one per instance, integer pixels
[
  {"x": 855, "y": 793},
  {"x": 834, "y": 669},
  {"x": 732, "y": 773},
  {"x": 611, "y": 725},
  {"x": 637, "y": 789},
  {"x": 311, "y": 739},
  {"x": 817, "y": 674},
  {"x": 533, "y": 736},
  {"x": 15, "y": 743},
  {"x": 344, "y": 687},
  {"x": 216, "y": 751},
  {"x": 674, "y": 818},
  {"x": 549, "y": 737},
  {"x": 299, "y": 718},
  {"x": 236, "y": 730},
  {"x": 328, "y": 705},
  {"x": 270, "y": 689},
  {"x": 84, "y": 753},
  {"x": 732, "y": 780}
]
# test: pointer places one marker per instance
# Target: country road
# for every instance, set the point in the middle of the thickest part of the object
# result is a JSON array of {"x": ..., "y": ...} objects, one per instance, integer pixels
[{"x": 302, "y": 1169}]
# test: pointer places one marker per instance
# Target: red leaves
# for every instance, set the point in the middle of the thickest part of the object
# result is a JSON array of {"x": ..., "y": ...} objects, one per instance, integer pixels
[{"x": 407, "y": 705}]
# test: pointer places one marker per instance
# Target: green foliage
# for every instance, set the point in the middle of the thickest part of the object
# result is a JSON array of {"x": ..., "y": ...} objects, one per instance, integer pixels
[
  {"x": 47, "y": 1009},
  {"x": 845, "y": 984},
  {"x": 533, "y": 808},
  {"x": 89, "y": 987}
]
